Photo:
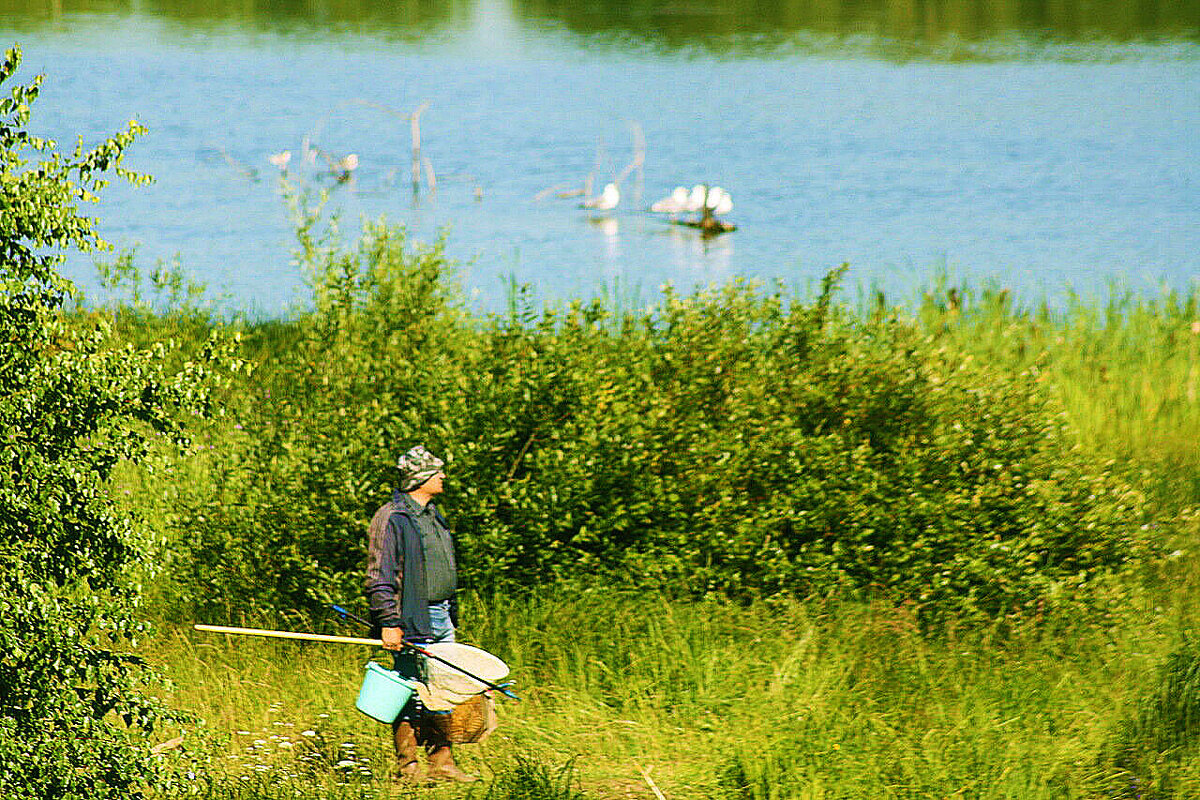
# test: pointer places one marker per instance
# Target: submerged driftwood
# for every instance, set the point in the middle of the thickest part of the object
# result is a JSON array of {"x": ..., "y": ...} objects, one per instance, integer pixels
[{"x": 709, "y": 226}]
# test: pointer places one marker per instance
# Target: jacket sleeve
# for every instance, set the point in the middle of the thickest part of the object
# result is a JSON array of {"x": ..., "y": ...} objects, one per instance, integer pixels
[{"x": 385, "y": 575}]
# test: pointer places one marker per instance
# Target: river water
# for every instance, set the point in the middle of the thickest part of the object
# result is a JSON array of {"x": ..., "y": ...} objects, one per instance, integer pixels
[{"x": 1042, "y": 147}]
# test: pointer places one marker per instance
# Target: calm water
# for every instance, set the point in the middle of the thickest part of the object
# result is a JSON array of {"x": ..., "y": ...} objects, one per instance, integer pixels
[{"x": 1038, "y": 146}]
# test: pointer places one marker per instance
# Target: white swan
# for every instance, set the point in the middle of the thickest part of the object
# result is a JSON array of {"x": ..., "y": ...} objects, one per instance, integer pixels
[
  {"x": 718, "y": 201},
  {"x": 280, "y": 160},
  {"x": 696, "y": 198},
  {"x": 675, "y": 203},
  {"x": 606, "y": 200}
]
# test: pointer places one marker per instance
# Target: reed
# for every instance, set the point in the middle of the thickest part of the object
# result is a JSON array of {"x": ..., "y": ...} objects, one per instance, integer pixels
[{"x": 1126, "y": 368}]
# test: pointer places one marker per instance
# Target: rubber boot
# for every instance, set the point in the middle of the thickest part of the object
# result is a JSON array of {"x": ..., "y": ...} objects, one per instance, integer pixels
[
  {"x": 441, "y": 766},
  {"x": 405, "y": 740}
]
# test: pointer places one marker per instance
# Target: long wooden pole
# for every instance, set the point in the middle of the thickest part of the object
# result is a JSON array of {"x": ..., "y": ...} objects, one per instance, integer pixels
[
  {"x": 320, "y": 637},
  {"x": 306, "y": 637}
]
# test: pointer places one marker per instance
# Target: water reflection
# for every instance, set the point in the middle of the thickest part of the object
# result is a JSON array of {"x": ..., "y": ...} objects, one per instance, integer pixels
[
  {"x": 692, "y": 21},
  {"x": 608, "y": 228},
  {"x": 411, "y": 17},
  {"x": 712, "y": 24},
  {"x": 709, "y": 259}
]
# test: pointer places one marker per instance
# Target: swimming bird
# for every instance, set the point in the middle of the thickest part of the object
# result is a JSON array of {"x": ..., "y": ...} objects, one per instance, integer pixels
[
  {"x": 346, "y": 167},
  {"x": 718, "y": 201},
  {"x": 342, "y": 169},
  {"x": 696, "y": 198},
  {"x": 606, "y": 200},
  {"x": 675, "y": 203},
  {"x": 280, "y": 160}
]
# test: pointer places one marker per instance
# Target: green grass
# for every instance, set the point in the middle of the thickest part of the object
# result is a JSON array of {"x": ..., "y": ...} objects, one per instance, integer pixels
[
  {"x": 788, "y": 699},
  {"x": 773, "y": 700},
  {"x": 1126, "y": 367}
]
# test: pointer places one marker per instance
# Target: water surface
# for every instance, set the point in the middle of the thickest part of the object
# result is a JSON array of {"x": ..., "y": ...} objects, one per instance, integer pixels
[{"x": 1033, "y": 145}]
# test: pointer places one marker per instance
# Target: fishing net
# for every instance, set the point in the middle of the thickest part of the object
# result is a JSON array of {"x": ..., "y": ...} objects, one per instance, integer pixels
[{"x": 464, "y": 709}]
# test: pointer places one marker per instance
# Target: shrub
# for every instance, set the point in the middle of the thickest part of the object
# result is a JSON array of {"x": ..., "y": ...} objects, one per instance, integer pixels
[
  {"x": 74, "y": 710},
  {"x": 305, "y": 454},
  {"x": 745, "y": 445},
  {"x": 729, "y": 442}
]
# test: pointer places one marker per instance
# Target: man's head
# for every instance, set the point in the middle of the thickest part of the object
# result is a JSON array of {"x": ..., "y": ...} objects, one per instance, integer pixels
[{"x": 419, "y": 469}]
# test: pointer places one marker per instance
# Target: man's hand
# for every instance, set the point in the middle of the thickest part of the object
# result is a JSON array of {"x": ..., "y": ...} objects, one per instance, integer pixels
[{"x": 393, "y": 638}]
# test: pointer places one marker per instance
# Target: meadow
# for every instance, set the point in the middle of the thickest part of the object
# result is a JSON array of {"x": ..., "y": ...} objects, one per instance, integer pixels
[
  {"x": 657, "y": 684},
  {"x": 805, "y": 701}
]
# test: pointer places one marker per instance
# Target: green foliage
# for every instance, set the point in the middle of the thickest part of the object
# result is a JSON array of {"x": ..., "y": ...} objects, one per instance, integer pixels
[
  {"x": 732, "y": 442},
  {"x": 1160, "y": 730},
  {"x": 75, "y": 713},
  {"x": 306, "y": 452},
  {"x": 1127, "y": 368},
  {"x": 737, "y": 443},
  {"x": 169, "y": 289}
]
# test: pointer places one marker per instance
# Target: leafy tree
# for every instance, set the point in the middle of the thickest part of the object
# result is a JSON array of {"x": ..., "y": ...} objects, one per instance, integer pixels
[{"x": 74, "y": 712}]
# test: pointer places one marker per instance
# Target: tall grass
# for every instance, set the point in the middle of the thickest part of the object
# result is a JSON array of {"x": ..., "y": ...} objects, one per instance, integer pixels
[
  {"x": 771, "y": 700},
  {"x": 795, "y": 698},
  {"x": 1126, "y": 367}
]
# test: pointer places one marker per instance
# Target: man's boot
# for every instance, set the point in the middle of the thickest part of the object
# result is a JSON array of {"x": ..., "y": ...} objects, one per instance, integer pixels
[
  {"x": 405, "y": 740},
  {"x": 441, "y": 766}
]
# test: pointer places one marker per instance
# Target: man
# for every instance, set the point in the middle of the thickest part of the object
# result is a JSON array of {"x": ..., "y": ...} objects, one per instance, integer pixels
[{"x": 411, "y": 580}]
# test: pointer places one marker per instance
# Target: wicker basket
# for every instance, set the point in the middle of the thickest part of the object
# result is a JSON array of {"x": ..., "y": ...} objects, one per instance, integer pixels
[{"x": 469, "y": 722}]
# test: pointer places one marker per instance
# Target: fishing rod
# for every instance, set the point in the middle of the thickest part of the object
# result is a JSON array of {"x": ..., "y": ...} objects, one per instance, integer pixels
[{"x": 344, "y": 614}]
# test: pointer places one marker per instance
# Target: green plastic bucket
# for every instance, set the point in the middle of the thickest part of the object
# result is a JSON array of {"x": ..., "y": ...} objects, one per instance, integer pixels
[{"x": 383, "y": 694}]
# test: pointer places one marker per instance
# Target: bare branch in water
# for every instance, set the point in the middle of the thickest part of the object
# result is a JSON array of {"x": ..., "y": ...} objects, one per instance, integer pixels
[
  {"x": 430, "y": 178},
  {"x": 415, "y": 120}
]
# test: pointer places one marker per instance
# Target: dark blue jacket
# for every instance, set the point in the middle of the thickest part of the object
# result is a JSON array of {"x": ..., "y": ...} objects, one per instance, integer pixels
[{"x": 395, "y": 584}]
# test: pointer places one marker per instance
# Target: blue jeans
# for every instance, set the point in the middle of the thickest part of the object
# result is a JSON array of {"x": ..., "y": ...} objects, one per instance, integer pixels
[{"x": 439, "y": 619}]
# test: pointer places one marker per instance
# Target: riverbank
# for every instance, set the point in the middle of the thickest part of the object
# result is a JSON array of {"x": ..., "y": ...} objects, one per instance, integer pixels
[{"x": 758, "y": 695}]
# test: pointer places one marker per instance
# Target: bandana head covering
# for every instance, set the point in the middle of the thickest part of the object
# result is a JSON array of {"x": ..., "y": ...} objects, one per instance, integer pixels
[{"x": 417, "y": 466}]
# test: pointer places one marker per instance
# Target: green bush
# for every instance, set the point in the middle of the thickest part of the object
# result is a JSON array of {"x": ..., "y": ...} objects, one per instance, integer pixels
[
  {"x": 74, "y": 712},
  {"x": 304, "y": 454},
  {"x": 745, "y": 445},
  {"x": 732, "y": 442}
]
